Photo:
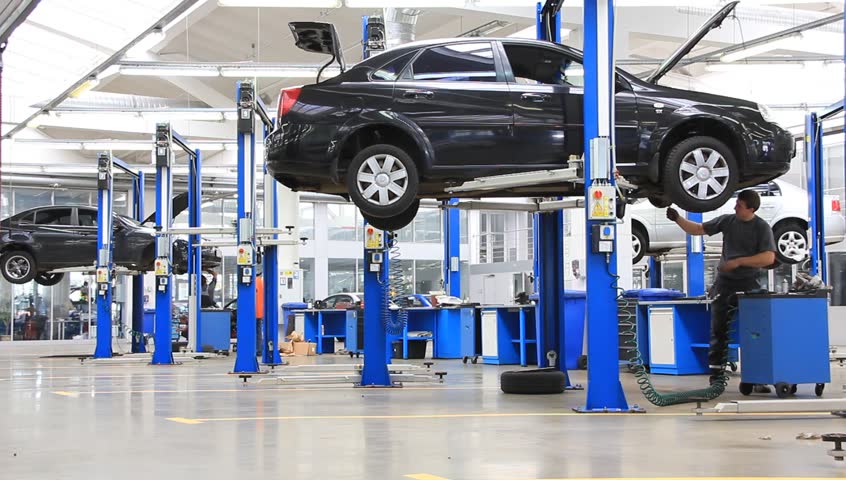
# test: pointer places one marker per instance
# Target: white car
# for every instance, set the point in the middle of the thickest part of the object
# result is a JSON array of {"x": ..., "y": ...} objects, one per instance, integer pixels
[{"x": 783, "y": 205}]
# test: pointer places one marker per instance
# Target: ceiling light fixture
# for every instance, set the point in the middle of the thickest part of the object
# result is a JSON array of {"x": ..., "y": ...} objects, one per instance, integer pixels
[
  {"x": 168, "y": 71},
  {"x": 85, "y": 86}
]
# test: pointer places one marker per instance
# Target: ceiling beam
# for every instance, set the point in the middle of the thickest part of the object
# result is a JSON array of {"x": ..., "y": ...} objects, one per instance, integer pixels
[{"x": 12, "y": 15}]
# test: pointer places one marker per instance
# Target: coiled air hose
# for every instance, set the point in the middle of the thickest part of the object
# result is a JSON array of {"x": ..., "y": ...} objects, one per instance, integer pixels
[
  {"x": 395, "y": 290},
  {"x": 628, "y": 320}
]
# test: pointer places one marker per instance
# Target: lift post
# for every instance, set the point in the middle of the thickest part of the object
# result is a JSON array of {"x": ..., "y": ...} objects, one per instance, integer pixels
[
  {"x": 270, "y": 350},
  {"x": 246, "y": 361},
  {"x": 816, "y": 192},
  {"x": 376, "y": 276},
  {"x": 163, "y": 355},
  {"x": 195, "y": 251},
  {"x": 138, "y": 343},
  {"x": 695, "y": 260},
  {"x": 452, "y": 249},
  {"x": 604, "y": 390}
]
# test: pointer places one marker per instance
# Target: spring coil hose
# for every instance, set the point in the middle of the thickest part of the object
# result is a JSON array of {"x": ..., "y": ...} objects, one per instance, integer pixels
[
  {"x": 395, "y": 291},
  {"x": 629, "y": 322}
]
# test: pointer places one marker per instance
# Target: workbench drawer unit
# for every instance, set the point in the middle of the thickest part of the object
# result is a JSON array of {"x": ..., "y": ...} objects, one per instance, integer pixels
[{"x": 509, "y": 335}]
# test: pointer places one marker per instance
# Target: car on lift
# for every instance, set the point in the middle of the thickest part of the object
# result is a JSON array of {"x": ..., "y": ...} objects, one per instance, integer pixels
[
  {"x": 424, "y": 116},
  {"x": 783, "y": 206},
  {"x": 37, "y": 241}
]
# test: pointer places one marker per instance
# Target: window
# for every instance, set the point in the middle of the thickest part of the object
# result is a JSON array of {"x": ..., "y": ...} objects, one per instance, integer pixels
[
  {"x": 307, "y": 265},
  {"x": 25, "y": 219},
  {"x": 342, "y": 222},
  {"x": 428, "y": 276},
  {"x": 53, "y": 216},
  {"x": 465, "y": 62},
  {"x": 543, "y": 66},
  {"x": 427, "y": 226},
  {"x": 392, "y": 70},
  {"x": 341, "y": 275},
  {"x": 306, "y": 220},
  {"x": 87, "y": 218}
]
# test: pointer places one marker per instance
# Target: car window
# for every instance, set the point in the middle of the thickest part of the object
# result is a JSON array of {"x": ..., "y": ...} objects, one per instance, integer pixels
[
  {"x": 87, "y": 218},
  {"x": 25, "y": 218},
  {"x": 330, "y": 301},
  {"x": 53, "y": 216},
  {"x": 391, "y": 70},
  {"x": 465, "y": 62},
  {"x": 533, "y": 65}
]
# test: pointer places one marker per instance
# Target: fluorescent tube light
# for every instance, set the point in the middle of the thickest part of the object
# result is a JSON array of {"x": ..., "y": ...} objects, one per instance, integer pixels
[
  {"x": 405, "y": 3},
  {"x": 84, "y": 87},
  {"x": 759, "y": 49},
  {"x": 753, "y": 67},
  {"x": 169, "y": 71},
  {"x": 163, "y": 115},
  {"x": 281, "y": 3}
]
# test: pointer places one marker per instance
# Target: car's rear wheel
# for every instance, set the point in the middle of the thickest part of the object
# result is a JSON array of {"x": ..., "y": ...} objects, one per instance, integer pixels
[
  {"x": 394, "y": 223},
  {"x": 18, "y": 267},
  {"x": 791, "y": 243},
  {"x": 640, "y": 243},
  {"x": 700, "y": 174},
  {"x": 49, "y": 279},
  {"x": 659, "y": 202},
  {"x": 382, "y": 181}
]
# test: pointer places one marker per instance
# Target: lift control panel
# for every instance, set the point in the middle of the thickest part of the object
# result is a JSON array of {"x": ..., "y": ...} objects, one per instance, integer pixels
[
  {"x": 374, "y": 239},
  {"x": 602, "y": 238},
  {"x": 602, "y": 202}
]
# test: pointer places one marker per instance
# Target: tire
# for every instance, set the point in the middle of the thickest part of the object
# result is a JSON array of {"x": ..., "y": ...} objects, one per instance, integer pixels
[
  {"x": 395, "y": 223},
  {"x": 782, "y": 389},
  {"x": 793, "y": 389},
  {"x": 376, "y": 200},
  {"x": 819, "y": 388},
  {"x": 18, "y": 267},
  {"x": 533, "y": 382},
  {"x": 746, "y": 388},
  {"x": 581, "y": 363},
  {"x": 640, "y": 243},
  {"x": 791, "y": 243},
  {"x": 700, "y": 155},
  {"x": 659, "y": 202},
  {"x": 49, "y": 279}
]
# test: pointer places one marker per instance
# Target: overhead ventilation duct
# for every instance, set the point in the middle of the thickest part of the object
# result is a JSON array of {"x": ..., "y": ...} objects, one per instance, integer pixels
[
  {"x": 780, "y": 17},
  {"x": 400, "y": 25}
]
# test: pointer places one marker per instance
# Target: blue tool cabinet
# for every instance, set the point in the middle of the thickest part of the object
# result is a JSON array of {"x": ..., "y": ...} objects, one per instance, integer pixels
[{"x": 784, "y": 340}]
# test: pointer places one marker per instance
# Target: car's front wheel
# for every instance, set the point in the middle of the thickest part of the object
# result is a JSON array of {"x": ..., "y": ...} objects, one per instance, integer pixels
[
  {"x": 382, "y": 181},
  {"x": 639, "y": 243},
  {"x": 392, "y": 224},
  {"x": 49, "y": 279},
  {"x": 700, "y": 174},
  {"x": 18, "y": 267},
  {"x": 791, "y": 243}
]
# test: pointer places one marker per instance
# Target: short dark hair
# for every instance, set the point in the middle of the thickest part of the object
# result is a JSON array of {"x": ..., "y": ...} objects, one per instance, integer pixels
[{"x": 751, "y": 199}]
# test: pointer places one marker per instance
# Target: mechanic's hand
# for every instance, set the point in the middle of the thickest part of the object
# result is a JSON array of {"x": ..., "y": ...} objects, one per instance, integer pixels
[
  {"x": 729, "y": 265},
  {"x": 672, "y": 214}
]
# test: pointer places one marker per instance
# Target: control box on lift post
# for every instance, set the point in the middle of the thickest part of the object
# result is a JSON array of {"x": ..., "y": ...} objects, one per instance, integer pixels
[
  {"x": 602, "y": 199},
  {"x": 104, "y": 182},
  {"x": 374, "y": 248}
]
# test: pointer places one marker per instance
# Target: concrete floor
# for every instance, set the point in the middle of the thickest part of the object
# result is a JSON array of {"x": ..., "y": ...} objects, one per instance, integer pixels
[{"x": 63, "y": 420}]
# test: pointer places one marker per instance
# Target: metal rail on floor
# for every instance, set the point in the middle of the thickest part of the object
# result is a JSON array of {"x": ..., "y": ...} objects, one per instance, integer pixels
[
  {"x": 346, "y": 373},
  {"x": 820, "y": 405}
]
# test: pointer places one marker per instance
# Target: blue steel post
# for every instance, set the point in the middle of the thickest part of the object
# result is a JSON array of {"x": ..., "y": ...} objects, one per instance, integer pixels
[
  {"x": 104, "y": 256},
  {"x": 816, "y": 190},
  {"x": 246, "y": 361},
  {"x": 695, "y": 261},
  {"x": 163, "y": 355},
  {"x": 138, "y": 343},
  {"x": 654, "y": 273},
  {"x": 376, "y": 355},
  {"x": 604, "y": 390},
  {"x": 195, "y": 257},
  {"x": 270, "y": 350},
  {"x": 549, "y": 283},
  {"x": 452, "y": 250}
]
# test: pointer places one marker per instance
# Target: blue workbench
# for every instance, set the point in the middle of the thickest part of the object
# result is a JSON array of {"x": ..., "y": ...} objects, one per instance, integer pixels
[
  {"x": 323, "y": 326},
  {"x": 785, "y": 340},
  {"x": 509, "y": 335},
  {"x": 453, "y": 330}
]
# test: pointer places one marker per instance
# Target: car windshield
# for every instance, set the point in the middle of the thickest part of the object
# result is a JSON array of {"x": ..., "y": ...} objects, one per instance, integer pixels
[{"x": 130, "y": 220}]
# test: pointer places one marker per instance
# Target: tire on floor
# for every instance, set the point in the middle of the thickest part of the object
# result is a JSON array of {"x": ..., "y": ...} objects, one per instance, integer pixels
[{"x": 536, "y": 381}]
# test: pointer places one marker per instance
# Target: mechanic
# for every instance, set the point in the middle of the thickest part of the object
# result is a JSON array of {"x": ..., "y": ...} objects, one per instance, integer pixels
[
  {"x": 748, "y": 247},
  {"x": 207, "y": 291}
]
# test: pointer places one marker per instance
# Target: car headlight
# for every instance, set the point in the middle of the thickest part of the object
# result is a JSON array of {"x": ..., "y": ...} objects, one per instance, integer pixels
[{"x": 766, "y": 113}]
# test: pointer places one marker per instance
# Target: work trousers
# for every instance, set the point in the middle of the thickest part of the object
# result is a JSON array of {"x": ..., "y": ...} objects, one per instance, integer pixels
[{"x": 723, "y": 309}]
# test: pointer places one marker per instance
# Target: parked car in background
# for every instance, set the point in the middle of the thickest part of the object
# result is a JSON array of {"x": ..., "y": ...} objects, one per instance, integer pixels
[
  {"x": 36, "y": 241},
  {"x": 408, "y": 123},
  {"x": 783, "y": 206}
]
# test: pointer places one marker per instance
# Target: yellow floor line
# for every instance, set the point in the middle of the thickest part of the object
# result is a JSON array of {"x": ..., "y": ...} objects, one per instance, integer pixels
[
  {"x": 67, "y": 394},
  {"x": 424, "y": 476},
  {"x": 247, "y": 389}
]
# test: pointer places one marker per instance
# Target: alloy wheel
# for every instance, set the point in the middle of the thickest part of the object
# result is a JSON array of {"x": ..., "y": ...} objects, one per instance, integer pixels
[
  {"x": 704, "y": 173},
  {"x": 636, "y": 246},
  {"x": 18, "y": 267},
  {"x": 792, "y": 244},
  {"x": 382, "y": 179}
]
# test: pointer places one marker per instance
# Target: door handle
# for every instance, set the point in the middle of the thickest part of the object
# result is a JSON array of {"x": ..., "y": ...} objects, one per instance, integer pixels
[
  {"x": 428, "y": 94},
  {"x": 535, "y": 97}
]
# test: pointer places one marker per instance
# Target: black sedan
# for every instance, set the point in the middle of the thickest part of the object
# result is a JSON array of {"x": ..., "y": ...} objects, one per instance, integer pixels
[
  {"x": 408, "y": 123},
  {"x": 36, "y": 241}
]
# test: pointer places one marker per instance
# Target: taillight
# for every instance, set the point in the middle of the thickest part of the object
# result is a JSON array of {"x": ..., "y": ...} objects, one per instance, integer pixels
[
  {"x": 835, "y": 205},
  {"x": 287, "y": 98}
]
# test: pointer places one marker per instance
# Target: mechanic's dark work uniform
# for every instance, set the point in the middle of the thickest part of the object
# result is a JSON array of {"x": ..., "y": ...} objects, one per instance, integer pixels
[
  {"x": 740, "y": 239},
  {"x": 207, "y": 293}
]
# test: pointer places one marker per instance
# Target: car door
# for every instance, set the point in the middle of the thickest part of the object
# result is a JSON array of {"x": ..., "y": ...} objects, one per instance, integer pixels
[
  {"x": 87, "y": 228},
  {"x": 56, "y": 240},
  {"x": 459, "y": 98}
]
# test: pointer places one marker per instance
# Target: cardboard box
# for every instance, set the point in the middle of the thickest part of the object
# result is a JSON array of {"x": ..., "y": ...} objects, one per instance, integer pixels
[
  {"x": 286, "y": 347},
  {"x": 305, "y": 348}
]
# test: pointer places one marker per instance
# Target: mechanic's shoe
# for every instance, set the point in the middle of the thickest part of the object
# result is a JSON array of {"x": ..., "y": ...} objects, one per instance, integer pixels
[{"x": 762, "y": 389}]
